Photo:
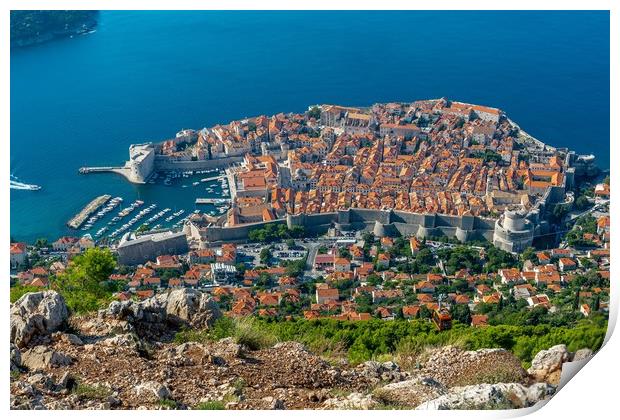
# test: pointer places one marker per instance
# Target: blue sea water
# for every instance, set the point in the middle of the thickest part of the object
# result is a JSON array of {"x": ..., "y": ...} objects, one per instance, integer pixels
[{"x": 145, "y": 75}]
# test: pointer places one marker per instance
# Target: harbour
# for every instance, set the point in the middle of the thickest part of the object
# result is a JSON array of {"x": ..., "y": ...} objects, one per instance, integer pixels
[{"x": 205, "y": 191}]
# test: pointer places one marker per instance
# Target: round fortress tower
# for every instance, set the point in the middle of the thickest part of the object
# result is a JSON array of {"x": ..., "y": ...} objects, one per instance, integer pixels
[
  {"x": 378, "y": 229},
  {"x": 514, "y": 220},
  {"x": 513, "y": 231}
]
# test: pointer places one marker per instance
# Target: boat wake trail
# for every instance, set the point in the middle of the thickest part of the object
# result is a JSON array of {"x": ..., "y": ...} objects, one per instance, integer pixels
[{"x": 18, "y": 185}]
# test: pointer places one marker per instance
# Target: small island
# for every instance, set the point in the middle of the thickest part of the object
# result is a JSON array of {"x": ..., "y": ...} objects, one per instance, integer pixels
[{"x": 29, "y": 27}]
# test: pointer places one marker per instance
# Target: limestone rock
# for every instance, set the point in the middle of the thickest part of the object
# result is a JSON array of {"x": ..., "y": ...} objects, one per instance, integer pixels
[
  {"x": 35, "y": 314},
  {"x": 410, "y": 393},
  {"x": 152, "y": 317},
  {"x": 42, "y": 357},
  {"x": 226, "y": 347},
  {"x": 192, "y": 307},
  {"x": 547, "y": 364},
  {"x": 353, "y": 401},
  {"x": 581, "y": 354},
  {"x": 16, "y": 358},
  {"x": 72, "y": 339},
  {"x": 375, "y": 372},
  {"x": 452, "y": 366},
  {"x": 152, "y": 391},
  {"x": 487, "y": 396}
]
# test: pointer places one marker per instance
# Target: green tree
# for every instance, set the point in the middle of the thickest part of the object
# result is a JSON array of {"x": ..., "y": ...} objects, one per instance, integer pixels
[
  {"x": 314, "y": 112},
  {"x": 83, "y": 284},
  {"x": 40, "y": 243},
  {"x": 461, "y": 313},
  {"x": 582, "y": 202},
  {"x": 265, "y": 255},
  {"x": 529, "y": 254}
]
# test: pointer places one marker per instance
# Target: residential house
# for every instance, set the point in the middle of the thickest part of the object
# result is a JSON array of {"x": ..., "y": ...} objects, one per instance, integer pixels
[
  {"x": 18, "y": 254},
  {"x": 326, "y": 294},
  {"x": 567, "y": 264},
  {"x": 479, "y": 320}
]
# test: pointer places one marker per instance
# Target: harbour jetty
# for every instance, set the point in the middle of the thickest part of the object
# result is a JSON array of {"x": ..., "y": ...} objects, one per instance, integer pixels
[
  {"x": 213, "y": 201},
  {"x": 77, "y": 220},
  {"x": 121, "y": 170}
]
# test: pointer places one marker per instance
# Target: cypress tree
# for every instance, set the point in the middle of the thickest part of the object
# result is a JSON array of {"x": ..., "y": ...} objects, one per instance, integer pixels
[{"x": 576, "y": 301}]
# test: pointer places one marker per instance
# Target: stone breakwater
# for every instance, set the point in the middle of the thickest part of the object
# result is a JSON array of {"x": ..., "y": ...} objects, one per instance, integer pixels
[
  {"x": 125, "y": 358},
  {"x": 77, "y": 220}
]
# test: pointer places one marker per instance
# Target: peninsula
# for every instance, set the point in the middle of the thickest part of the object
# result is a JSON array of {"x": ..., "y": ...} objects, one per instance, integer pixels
[{"x": 426, "y": 168}]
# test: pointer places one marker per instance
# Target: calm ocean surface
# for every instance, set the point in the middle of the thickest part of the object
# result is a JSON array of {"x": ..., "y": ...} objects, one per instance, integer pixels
[{"x": 145, "y": 75}]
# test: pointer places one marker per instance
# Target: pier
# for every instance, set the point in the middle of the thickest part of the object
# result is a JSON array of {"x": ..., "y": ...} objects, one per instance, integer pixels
[
  {"x": 213, "y": 178},
  {"x": 121, "y": 170},
  {"x": 77, "y": 220},
  {"x": 213, "y": 201}
]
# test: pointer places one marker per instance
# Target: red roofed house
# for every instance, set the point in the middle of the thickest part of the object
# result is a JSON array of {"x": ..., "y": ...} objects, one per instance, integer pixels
[
  {"x": 152, "y": 281},
  {"x": 342, "y": 265},
  {"x": 324, "y": 261},
  {"x": 167, "y": 262},
  {"x": 381, "y": 295},
  {"x": 383, "y": 260},
  {"x": 585, "y": 309},
  {"x": 510, "y": 275},
  {"x": 602, "y": 190},
  {"x": 64, "y": 243},
  {"x": 543, "y": 257},
  {"x": 434, "y": 278},
  {"x": 539, "y": 300},
  {"x": 567, "y": 264},
  {"x": 479, "y": 320},
  {"x": 602, "y": 225},
  {"x": 144, "y": 294},
  {"x": 415, "y": 245},
  {"x": 326, "y": 294},
  {"x": 363, "y": 271},
  {"x": 18, "y": 254},
  {"x": 424, "y": 287},
  {"x": 175, "y": 282},
  {"x": 384, "y": 313},
  {"x": 411, "y": 311}
]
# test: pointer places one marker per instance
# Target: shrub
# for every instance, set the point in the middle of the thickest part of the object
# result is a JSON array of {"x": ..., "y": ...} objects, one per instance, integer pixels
[
  {"x": 408, "y": 340},
  {"x": 92, "y": 392},
  {"x": 168, "y": 403},
  {"x": 211, "y": 405},
  {"x": 249, "y": 334},
  {"x": 187, "y": 335},
  {"x": 18, "y": 291}
]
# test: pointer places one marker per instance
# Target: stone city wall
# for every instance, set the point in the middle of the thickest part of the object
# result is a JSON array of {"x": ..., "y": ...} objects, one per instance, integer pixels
[{"x": 391, "y": 223}]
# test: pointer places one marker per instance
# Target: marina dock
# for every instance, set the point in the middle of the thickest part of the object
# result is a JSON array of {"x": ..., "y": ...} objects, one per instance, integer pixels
[
  {"x": 213, "y": 178},
  {"x": 77, "y": 220},
  {"x": 213, "y": 201}
]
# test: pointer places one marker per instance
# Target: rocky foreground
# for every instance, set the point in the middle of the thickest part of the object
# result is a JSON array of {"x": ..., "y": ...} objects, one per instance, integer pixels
[{"x": 124, "y": 358}]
